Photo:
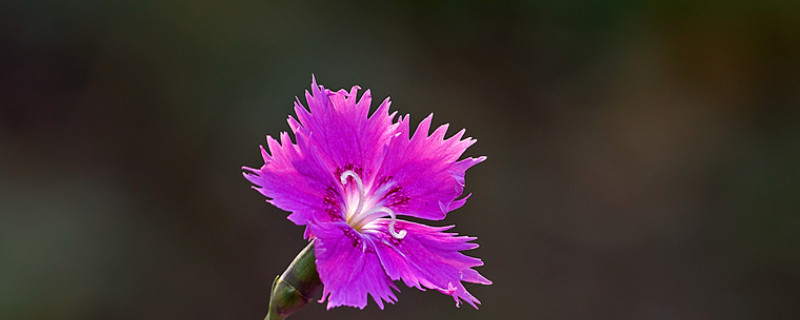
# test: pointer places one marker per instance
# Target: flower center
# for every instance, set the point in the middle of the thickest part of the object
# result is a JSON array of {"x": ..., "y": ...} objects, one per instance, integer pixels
[{"x": 357, "y": 217}]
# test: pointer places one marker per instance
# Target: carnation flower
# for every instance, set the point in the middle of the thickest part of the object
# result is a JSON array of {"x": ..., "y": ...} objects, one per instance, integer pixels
[{"x": 349, "y": 176}]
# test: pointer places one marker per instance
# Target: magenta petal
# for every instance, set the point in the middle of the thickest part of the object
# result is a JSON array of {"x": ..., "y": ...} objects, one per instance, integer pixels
[
  {"x": 427, "y": 176},
  {"x": 338, "y": 127},
  {"x": 349, "y": 267},
  {"x": 428, "y": 258},
  {"x": 292, "y": 178}
]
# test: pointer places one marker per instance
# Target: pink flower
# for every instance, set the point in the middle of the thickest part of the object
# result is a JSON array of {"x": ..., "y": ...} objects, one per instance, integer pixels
[{"x": 349, "y": 176}]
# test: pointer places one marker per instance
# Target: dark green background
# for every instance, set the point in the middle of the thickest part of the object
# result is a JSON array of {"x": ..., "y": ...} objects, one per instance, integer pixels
[{"x": 643, "y": 156}]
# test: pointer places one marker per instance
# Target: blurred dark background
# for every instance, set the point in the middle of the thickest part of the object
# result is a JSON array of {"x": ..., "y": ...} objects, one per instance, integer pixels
[{"x": 644, "y": 156}]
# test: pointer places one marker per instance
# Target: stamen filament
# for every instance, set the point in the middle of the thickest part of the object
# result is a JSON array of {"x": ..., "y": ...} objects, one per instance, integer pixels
[
  {"x": 395, "y": 234},
  {"x": 362, "y": 195}
]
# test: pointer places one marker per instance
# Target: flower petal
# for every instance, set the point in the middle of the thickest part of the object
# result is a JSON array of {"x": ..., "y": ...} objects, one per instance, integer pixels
[
  {"x": 339, "y": 128},
  {"x": 427, "y": 258},
  {"x": 293, "y": 179},
  {"x": 349, "y": 267},
  {"x": 422, "y": 175}
]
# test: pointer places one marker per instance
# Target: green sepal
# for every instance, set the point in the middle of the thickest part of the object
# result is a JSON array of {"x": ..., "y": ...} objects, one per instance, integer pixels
[{"x": 292, "y": 290}]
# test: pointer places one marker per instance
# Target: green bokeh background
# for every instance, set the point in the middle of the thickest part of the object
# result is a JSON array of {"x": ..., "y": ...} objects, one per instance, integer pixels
[{"x": 643, "y": 156}]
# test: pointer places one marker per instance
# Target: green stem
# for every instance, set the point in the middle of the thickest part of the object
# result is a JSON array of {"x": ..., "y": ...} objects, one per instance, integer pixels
[{"x": 292, "y": 290}]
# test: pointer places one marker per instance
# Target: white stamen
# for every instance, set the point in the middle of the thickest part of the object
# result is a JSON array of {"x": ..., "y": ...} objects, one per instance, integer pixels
[
  {"x": 395, "y": 234},
  {"x": 362, "y": 196},
  {"x": 351, "y": 173},
  {"x": 356, "y": 218}
]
